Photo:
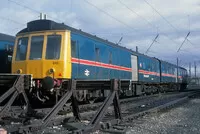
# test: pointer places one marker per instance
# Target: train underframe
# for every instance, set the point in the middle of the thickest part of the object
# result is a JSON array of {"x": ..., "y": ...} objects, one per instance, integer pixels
[{"x": 46, "y": 94}]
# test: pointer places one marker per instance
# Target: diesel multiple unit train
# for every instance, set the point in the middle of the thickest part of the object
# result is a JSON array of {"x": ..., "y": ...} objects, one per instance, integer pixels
[{"x": 54, "y": 53}]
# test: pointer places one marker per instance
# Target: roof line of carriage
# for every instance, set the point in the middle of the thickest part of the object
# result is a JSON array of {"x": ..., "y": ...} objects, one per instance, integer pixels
[
  {"x": 42, "y": 25},
  {"x": 6, "y": 37}
]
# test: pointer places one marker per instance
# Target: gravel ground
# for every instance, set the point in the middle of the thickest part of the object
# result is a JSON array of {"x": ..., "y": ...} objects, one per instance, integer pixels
[{"x": 184, "y": 119}]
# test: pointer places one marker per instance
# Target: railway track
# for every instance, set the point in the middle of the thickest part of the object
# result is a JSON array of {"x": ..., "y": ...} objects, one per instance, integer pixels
[
  {"x": 16, "y": 110},
  {"x": 129, "y": 114},
  {"x": 131, "y": 108}
]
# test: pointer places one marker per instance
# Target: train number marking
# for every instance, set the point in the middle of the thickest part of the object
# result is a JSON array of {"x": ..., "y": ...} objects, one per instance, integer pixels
[{"x": 55, "y": 63}]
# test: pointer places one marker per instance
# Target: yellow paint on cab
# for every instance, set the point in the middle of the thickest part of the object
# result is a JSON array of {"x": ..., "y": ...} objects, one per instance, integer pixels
[{"x": 40, "y": 68}]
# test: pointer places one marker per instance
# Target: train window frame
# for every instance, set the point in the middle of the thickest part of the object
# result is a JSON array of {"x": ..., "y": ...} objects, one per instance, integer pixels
[
  {"x": 152, "y": 67},
  {"x": 164, "y": 70},
  {"x": 144, "y": 65},
  {"x": 17, "y": 50},
  {"x": 148, "y": 65},
  {"x": 169, "y": 70},
  {"x": 97, "y": 54},
  {"x": 41, "y": 51},
  {"x": 57, "y": 55},
  {"x": 74, "y": 48},
  {"x": 110, "y": 57}
]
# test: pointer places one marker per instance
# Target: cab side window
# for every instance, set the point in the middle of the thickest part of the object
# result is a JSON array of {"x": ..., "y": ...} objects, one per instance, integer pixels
[
  {"x": 73, "y": 48},
  {"x": 21, "y": 49}
]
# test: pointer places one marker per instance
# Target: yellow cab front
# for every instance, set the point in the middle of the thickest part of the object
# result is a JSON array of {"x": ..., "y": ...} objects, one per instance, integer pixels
[{"x": 42, "y": 54}]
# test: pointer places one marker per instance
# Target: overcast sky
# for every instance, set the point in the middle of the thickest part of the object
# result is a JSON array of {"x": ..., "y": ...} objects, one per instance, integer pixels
[{"x": 137, "y": 21}]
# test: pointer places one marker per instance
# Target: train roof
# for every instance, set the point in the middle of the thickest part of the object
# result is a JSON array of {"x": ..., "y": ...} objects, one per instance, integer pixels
[
  {"x": 43, "y": 25},
  {"x": 172, "y": 64},
  {"x": 167, "y": 62},
  {"x": 5, "y": 37}
]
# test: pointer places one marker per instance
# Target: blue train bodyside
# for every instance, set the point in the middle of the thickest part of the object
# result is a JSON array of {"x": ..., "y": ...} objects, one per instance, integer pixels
[
  {"x": 149, "y": 70},
  {"x": 168, "y": 72},
  {"x": 99, "y": 60},
  {"x": 95, "y": 58},
  {"x": 6, "y": 47}
]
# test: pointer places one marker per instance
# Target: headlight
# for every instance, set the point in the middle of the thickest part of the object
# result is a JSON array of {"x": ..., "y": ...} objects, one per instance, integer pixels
[
  {"x": 52, "y": 70},
  {"x": 19, "y": 71}
]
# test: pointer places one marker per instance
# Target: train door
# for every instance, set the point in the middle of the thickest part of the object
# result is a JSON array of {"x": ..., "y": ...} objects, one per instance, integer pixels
[
  {"x": 134, "y": 67},
  {"x": 75, "y": 54}
]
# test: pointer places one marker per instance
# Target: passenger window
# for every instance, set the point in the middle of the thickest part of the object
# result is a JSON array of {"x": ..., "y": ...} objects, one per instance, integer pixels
[
  {"x": 36, "y": 47},
  {"x": 73, "y": 48},
  {"x": 144, "y": 66},
  {"x": 110, "y": 57},
  {"x": 21, "y": 49},
  {"x": 150, "y": 67},
  {"x": 164, "y": 69},
  {"x": 53, "y": 47},
  {"x": 153, "y": 67},
  {"x": 97, "y": 54}
]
